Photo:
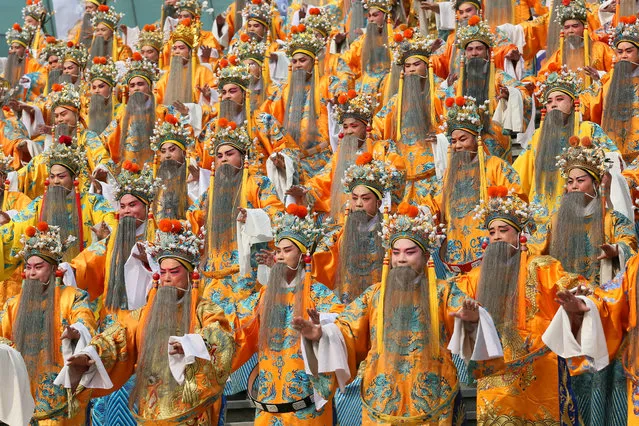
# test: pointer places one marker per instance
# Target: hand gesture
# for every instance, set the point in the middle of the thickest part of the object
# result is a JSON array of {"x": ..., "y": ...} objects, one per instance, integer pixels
[
  {"x": 592, "y": 73},
  {"x": 571, "y": 303},
  {"x": 307, "y": 329},
  {"x": 205, "y": 91},
  {"x": 180, "y": 107},
  {"x": 265, "y": 257},
  {"x": 468, "y": 312},
  {"x": 609, "y": 252},
  {"x": 194, "y": 173},
  {"x": 4, "y": 218},
  {"x": 70, "y": 333},
  {"x": 451, "y": 79},
  {"x": 101, "y": 230},
  {"x": 176, "y": 349},
  {"x": 141, "y": 256},
  {"x": 278, "y": 161},
  {"x": 298, "y": 193},
  {"x": 241, "y": 217},
  {"x": 78, "y": 365},
  {"x": 206, "y": 53}
]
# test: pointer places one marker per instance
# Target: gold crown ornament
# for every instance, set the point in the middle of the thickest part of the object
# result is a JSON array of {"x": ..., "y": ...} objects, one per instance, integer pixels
[
  {"x": 476, "y": 3},
  {"x": 20, "y": 35},
  {"x": 626, "y": 31},
  {"x": 175, "y": 240},
  {"x": 302, "y": 40},
  {"x": 318, "y": 20},
  {"x": 383, "y": 5},
  {"x": 188, "y": 32},
  {"x": 502, "y": 204},
  {"x": 463, "y": 113},
  {"x": 375, "y": 175},
  {"x": 76, "y": 53},
  {"x": 138, "y": 66},
  {"x": 232, "y": 71},
  {"x": 65, "y": 95},
  {"x": 137, "y": 181},
  {"x": 103, "y": 69},
  {"x": 52, "y": 47},
  {"x": 300, "y": 227},
  {"x": 106, "y": 15},
  {"x": 230, "y": 133},
  {"x": 45, "y": 241},
  {"x": 559, "y": 79},
  {"x": 411, "y": 43},
  {"x": 171, "y": 130},
  {"x": 476, "y": 30},
  {"x": 150, "y": 36},
  {"x": 585, "y": 155},
  {"x": 193, "y": 6},
  {"x": 36, "y": 10},
  {"x": 258, "y": 10},
  {"x": 6, "y": 164},
  {"x": 250, "y": 48},
  {"x": 359, "y": 106},
  {"x": 414, "y": 223},
  {"x": 571, "y": 10},
  {"x": 66, "y": 153}
]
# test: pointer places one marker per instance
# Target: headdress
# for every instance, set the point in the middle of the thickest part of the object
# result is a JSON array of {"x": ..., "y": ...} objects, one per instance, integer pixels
[
  {"x": 562, "y": 80},
  {"x": 65, "y": 95},
  {"x": 188, "y": 32},
  {"x": 175, "y": 240},
  {"x": 476, "y": 30},
  {"x": 45, "y": 241},
  {"x": 76, "y": 53},
  {"x": 463, "y": 114},
  {"x": 375, "y": 175},
  {"x": 106, "y": 15},
  {"x": 137, "y": 66},
  {"x": 476, "y": 3},
  {"x": 53, "y": 47},
  {"x": 416, "y": 224},
  {"x": 627, "y": 31},
  {"x": 409, "y": 43},
  {"x": 6, "y": 164},
  {"x": 103, "y": 69},
  {"x": 300, "y": 227},
  {"x": 353, "y": 105},
  {"x": 193, "y": 6},
  {"x": 98, "y": 2},
  {"x": 35, "y": 9},
  {"x": 171, "y": 130},
  {"x": 571, "y": 9},
  {"x": 258, "y": 10},
  {"x": 150, "y": 36},
  {"x": 229, "y": 133},
  {"x": 318, "y": 20},
  {"x": 507, "y": 207},
  {"x": 250, "y": 48},
  {"x": 17, "y": 34},
  {"x": 304, "y": 41},
  {"x": 137, "y": 181},
  {"x": 66, "y": 153},
  {"x": 383, "y": 5},
  {"x": 583, "y": 154},
  {"x": 231, "y": 71}
]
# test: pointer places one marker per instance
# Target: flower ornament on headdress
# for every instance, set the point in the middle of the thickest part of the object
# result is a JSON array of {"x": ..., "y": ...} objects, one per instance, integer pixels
[
  {"x": 416, "y": 224},
  {"x": 300, "y": 227},
  {"x": 303, "y": 40},
  {"x": 20, "y": 35},
  {"x": 106, "y": 15},
  {"x": 188, "y": 32},
  {"x": 193, "y": 6},
  {"x": 258, "y": 10},
  {"x": 229, "y": 133},
  {"x": 76, "y": 53},
  {"x": 137, "y": 181},
  {"x": 36, "y": 10},
  {"x": 476, "y": 30},
  {"x": 103, "y": 69},
  {"x": 463, "y": 113},
  {"x": 410, "y": 42},
  {"x": 171, "y": 130},
  {"x": 6, "y": 164},
  {"x": 44, "y": 240},
  {"x": 150, "y": 36},
  {"x": 175, "y": 240},
  {"x": 66, "y": 153},
  {"x": 53, "y": 47},
  {"x": 507, "y": 207},
  {"x": 571, "y": 10},
  {"x": 318, "y": 20},
  {"x": 138, "y": 66},
  {"x": 65, "y": 95},
  {"x": 627, "y": 31},
  {"x": 383, "y": 5},
  {"x": 585, "y": 155},
  {"x": 375, "y": 175},
  {"x": 559, "y": 79},
  {"x": 232, "y": 71},
  {"x": 250, "y": 48},
  {"x": 353, "y": 105}
]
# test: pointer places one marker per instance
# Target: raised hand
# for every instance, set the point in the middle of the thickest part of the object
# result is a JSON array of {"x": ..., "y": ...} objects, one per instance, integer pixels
[
  {"x": 307, "y": 329},
  {"x": 78, "y": 365},
  {"x": 571, "y": 303},
  {"x": 70, "y": 333},
  {"x": 468, "y": 312},
  {"x": 265, "y": 257},
  {"x": 176, "y": 349}
]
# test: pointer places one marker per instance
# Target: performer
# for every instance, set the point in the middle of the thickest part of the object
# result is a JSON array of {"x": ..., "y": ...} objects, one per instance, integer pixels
[
  {"x": 102, "y": 103},
  {"x": 106, "y": 42}
]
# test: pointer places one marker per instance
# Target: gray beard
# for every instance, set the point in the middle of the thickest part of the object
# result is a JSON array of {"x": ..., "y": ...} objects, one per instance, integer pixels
[
  {"x": 297, "y": 97},
  {"x": 62, "y": 129},
  {"x": 553, "y": 139},
  {"x": 573, "y": 52},
  {"x": 476, "y": 79},
  {"x": 375, "y": 54},
  {"x": 14, "y": 69},
  {"x": 221, "y": 223},
  {"x": 137, "y": 127},
  {"x": 86, "y": 31},
  {"x": 116, "y": 297},
  {"x": 348, "y": 147},
  {"x": 178, "y": 87},
  {"x": 171, "y": 202},
  {"x": 231, "y": 110},
  {"x": 100, "y": 113},
  {"x": 462, "y": 179},
  {"x": 415, "y": 111},
  {"x": 58, "y": 213},
  {"x": 618, "y": 110},
  {"x": 101, "y": 48}
]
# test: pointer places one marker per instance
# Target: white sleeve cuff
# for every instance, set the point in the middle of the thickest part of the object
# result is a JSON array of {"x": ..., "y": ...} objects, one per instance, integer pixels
[
  {"x": 328, "y": 355},
  {"x": 446, "y": 18},
  {"x": 69, "y": 277},
  {"x": 281, "y": 181},
  {"x": 193, "y": 346},
  {"x": 486, "y": 340}
]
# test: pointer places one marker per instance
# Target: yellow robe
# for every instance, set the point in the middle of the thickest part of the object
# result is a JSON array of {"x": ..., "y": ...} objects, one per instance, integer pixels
[
  {"x": 202, "y": 77},
  {"x": 601, "y": 56}
]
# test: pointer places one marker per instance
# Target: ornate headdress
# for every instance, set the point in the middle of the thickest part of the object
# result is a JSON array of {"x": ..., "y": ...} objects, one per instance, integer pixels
[
  {"x": 6, "y": 164},
  {"x": 65, "y": 95},
  {"x": 137, "y": 66},
  {"x": 102, "y": 69},
  {"x": 572, "y": 9},
  {"x": 507, "y": 207},
  {"x": 353, "y": 105},
  {"x": 627, "y": 31},
  {"x": 302, "y": 40},
  {"x": 171, "y": 130},
  {"x": 416, "y": 224},
  {"x": 229, "y": 133},
  {"x": 188, "y": 32},
  {"x": 249, "y": 48},
  {"x": 150, "y": 36},
  {"x": 106, "y": 15},
  {"x": 137, "y": 181},
  {"x": 258, "y": 10},
  {"x": 411, "y": 42},
  {"x": 175, "y": 240},
  {"x": 44, "y": 240},
  {"x": 476, "y": 3},
  {"x": 375, "y": 175},
  {"x": 300, "y": 227},
  {"x": 383, "y": 5},
  {"x": 318, "y": 20},
  {"x": 193, "y": 6},
  {"x": 583, "y": 154},
  {"x": 17, "y": 34},
  {"x": 36, "y": 10},
  {"x": 463, "y": 114},
  {"x": 476, "y": 30},
  {"x": 232, "y": 71},
  {"x": 66, "y": 153},
  {"x": 53, "y": 47},
  {"x": 562, "y": 80},
  {"x": 76, "y": 53},
  {"x": 98, "y": 2}
]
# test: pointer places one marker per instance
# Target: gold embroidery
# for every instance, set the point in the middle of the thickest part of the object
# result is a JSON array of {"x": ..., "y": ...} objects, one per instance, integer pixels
[{"x": 532, "y": 284}]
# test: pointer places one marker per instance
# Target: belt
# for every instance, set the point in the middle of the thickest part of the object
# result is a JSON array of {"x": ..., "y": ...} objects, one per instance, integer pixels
[
  {"x": 284, "y": 407},
  {"x": 462, "y": 268}
]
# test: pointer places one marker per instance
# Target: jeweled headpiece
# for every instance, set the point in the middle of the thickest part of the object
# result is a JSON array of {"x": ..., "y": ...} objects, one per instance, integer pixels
[
  {"x": 298, "y": 226},
  {"x": 137, "y": 66},
  {"x": 627, "y": 30},
  {"x": 66, "y": 153},
  {"x": 258, "y": 10},
  {"x": 318, "y": 20},
  {"x": 193, "y": 6},
  {"x": 65, "y": 95},
  {"x": 175, "y": 240},
  {"x": 476, "y": 3},
  {"x": 302, "y": 40},
  {"x": 463, "y": 114},
  {"x": 53, "y": 47},
  {"x": 98, "y": 2},
  {"x": 45, "y": 241},
  {"x": 188, "y": 32},
  {"x": 150, "y": 36},
  {"x": 375, "y": 175},
  {"x": 583, "y": 154},
  {"x": 6, "y": 164},
  {"x": 76, "y": 53},
  {"x": 36, "y": 10},
  {"x": 229, "y": 133},
  {"x": 137, "y": 181},
  {"x": 476, "y": 30},
  {"x": 171, "y": 130},
  {"x": 353, "y": 105},
  {"x": 562, "y": 80},
  {"x": 383, "y": 5},
  {"x": 20, "y": 35},
  {"x": 572, "y": 9},
  {"x": 232, "y": 71},
  {"x": 106, "y": 15},
  {"x": 103, "y": 69},
  {"x": 409, "y": 43},
  {"x": 416, "y": 224},
  {"x": 250, "y": 48},
  {"x": 507, "y": 207}
]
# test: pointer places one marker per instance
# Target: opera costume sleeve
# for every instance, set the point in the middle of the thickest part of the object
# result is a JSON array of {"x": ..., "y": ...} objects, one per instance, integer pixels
[
  {"x": 90, "y": 267},
  {"x": 262, "y": 195},
  {"x": 12, "y": 132},
  {"x": 97, "y": 154}
]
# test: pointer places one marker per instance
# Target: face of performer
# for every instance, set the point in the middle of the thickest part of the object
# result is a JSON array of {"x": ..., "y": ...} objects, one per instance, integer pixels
[
  {"x": 36, "y": 268},
  {"x": 60, "y": 176},
  {"x": 30, "y": 20},
  {"x": 376, "y": 16},
  {"x": 138, "y": 84},
  {"x": 499, "y": 230},
  {"x": 466, "y": 10},
  {"x": 288, "y": 253},
  {"x": 254, "y": 68},
  {"x": 233, "y": 92},
  {"x": 573, "y": 27},
  {"x": 17, "y": 49},
  {"x": 561, "y": 101},
  {"x": 131, "y": 206},
  {"x": 353, "y": 126},
  {"x": 300, "y": 61},
  {"x": 72, "y": 69},
  {"x": 54, "y": 62},
  {"x": 407, "y": 253},
  {"x": 476, "y": 49},
  {"x": 99, "y": 87},
  {"x": 180, "y": 48},
  {"x": 170, "y": 151},
  {"x": 62, "y": 115},
  {"x": 173, "y": 274},
  {"x": 103, "y": 31},
  {"x": 255, "y": 27},
  {"x": 415, "y": 66},
  {"x": 226, "y": 154},
  {"x": 185, "y": 14},
  {"x": 461, "y": 140},
  {"x": 628, "y": 52},
  {"x": 149, "y": 53},
  {"x": 90, "y": 7},
  {"x": 580, "y": 181},
  {"x": 363, "y": 199}
]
